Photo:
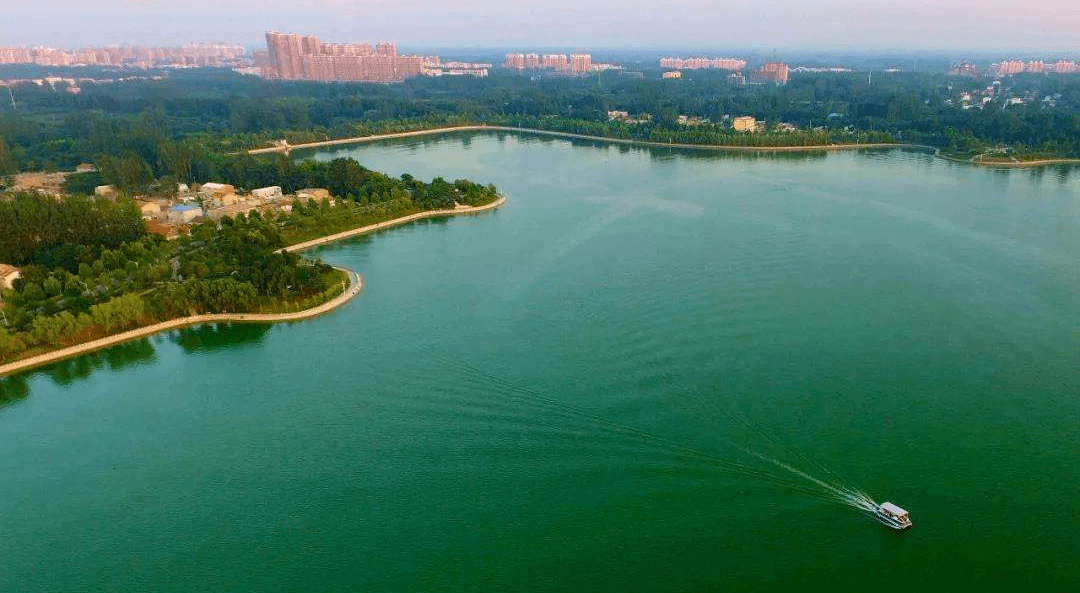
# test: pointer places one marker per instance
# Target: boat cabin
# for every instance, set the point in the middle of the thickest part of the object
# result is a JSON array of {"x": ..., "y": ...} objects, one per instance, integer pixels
[{"x": 894, "y": 516}]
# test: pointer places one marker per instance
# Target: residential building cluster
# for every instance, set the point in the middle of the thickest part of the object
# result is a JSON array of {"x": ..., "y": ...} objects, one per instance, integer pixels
[
  {"x": 171, "y": 216},
  {"x": 832, "y": 69},
  {"x": 191, "y": 55},
  {"x": 1000, "y": 96},
  {"x": 304, "y": 57},
  {"x": 438, "y": 68},
  {"x": 964, "y": 69},
  {"x": 775, "y": 72},
  {"x": 69, "y": 84},
  {"x": 1010, "y": 67},
  {"x": 703, "y": 63},
  {"x": 572, "y": 64}
]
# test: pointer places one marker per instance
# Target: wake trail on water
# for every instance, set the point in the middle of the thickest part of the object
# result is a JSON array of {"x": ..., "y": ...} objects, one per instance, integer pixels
[
  {"x": 836, "y": 484},
  {"x": 791, "y": 478}
]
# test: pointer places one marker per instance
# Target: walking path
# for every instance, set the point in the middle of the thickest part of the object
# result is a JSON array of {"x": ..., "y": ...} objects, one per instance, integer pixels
[
  {"x": 356, "y": 283},
  {"x": 395, "y": 222}
]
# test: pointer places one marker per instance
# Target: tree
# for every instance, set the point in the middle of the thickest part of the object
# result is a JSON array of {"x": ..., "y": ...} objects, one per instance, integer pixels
[
  {"x": 7, "y": 162},
  {"x": 129, "y": 172}
]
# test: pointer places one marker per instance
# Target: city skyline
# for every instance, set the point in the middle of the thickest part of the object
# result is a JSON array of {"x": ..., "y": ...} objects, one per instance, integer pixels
[{"x": 990, "y": 25}]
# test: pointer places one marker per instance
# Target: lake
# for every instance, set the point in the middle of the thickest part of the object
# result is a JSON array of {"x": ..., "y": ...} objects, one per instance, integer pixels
[{"x": 593, "y": 388}]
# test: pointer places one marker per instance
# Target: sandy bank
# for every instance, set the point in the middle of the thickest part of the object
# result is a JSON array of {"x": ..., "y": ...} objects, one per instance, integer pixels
[{"x": 356, "y": 283}]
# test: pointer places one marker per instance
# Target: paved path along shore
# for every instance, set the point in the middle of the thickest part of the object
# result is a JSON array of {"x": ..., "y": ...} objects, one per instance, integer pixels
[
  {"x": 395, "y": 222},
  {"x": 356, "y": 283}
]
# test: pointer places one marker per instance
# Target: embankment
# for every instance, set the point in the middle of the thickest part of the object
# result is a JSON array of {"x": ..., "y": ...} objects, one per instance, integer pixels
[
  {"x": 395, "y": 222},
  {"x": 356, "y": 283}
]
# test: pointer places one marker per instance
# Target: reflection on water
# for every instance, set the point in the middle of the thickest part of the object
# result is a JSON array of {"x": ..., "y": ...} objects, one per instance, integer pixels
[
  {"x": 215, "y": 336},
  {"x": 12, "y": 389},
  {"x": 116, "y": 358},
  {"x": 201, "y": 338}
]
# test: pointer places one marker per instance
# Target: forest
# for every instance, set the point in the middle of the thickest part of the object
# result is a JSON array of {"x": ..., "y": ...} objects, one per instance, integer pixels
[{"x": 219, "y": 111}]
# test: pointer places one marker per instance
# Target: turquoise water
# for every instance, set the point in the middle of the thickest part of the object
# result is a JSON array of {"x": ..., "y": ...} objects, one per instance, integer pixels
[{"x": 567, "y": 393}]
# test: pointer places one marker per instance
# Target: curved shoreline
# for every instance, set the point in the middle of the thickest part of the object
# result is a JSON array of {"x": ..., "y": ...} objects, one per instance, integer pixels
[
  {"x": 355, "y": 286},
  {"x": 718, "y": 147},
  {"x": 394, "y": 222}
]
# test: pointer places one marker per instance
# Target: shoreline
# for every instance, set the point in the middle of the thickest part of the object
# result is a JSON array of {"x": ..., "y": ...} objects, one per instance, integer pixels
[
  {"x": 486, "y": 128},
  {"x": 25, "y": 364},
  {"x": 717, "y": 147},
  {"x": 356, "y": 285},
  {"x": 392, "y": 223}
]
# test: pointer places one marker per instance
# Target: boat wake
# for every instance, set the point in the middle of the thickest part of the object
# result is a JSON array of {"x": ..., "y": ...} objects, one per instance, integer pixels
[{"x": 827, "y": 486}]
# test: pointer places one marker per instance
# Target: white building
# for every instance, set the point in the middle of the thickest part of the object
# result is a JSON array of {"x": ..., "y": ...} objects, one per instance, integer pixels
[{"x": 267, "y": 194}]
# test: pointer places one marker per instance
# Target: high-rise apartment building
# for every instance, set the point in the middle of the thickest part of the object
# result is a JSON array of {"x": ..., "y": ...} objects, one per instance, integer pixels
[
  {"x": 556, "y": 61},
  {"x": 515, "y": 61},
  {"x": 293, "y": 57},
  {"x": 774, "y": 71},
  {"x": 580, "y": 63}
]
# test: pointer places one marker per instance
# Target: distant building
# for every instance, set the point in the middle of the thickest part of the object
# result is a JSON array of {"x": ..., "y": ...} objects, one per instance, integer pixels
[
  {"x": 672, "y": 74},
  {"x": 556, "y": 62},
  {"x": 191, "y": 55},
  {"x": 1064, "y": 67},
  {"x": 580, "y": 63},
  {"x": 703, "y": 63},
  {"x": 516, "y": 61},
  {"x": 618, "y": 115},
  {"x": 295, "y": 57},
  {"x": 156, "y": 228},
  {"x": 267, "y": 194},
  {"x": 8, "y": 276},
  {"x": 314, "y": 194},
  {"x": 209, "y": 191},
  {"x": 184, "y": 213},
  {"x": 149, "y": 209},
  {"x": 964, "y": 69},
  {"x": 744, "y": 124},
  {"x": 774, "y": 71}
]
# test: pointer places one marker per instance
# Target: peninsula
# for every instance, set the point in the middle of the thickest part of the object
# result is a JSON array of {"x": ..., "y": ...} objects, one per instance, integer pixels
[{"x": 89, "y": 274}]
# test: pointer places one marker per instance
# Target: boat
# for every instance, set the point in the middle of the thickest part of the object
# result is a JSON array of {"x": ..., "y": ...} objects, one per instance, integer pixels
[{"x": 893, "y": 516}]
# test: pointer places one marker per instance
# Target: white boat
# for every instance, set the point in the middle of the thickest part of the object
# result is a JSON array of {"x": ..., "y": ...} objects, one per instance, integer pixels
[{"x": 893, "y": 516}]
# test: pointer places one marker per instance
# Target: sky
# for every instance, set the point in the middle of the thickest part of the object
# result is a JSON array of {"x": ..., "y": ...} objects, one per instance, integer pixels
[{"x": 977, "y": 25}]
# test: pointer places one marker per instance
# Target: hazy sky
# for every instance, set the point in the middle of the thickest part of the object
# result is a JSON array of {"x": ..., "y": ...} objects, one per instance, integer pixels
[{"x": 658, "y": 24}]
